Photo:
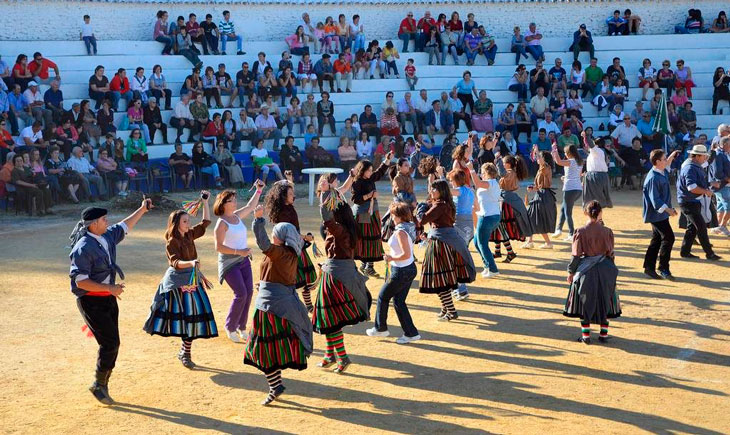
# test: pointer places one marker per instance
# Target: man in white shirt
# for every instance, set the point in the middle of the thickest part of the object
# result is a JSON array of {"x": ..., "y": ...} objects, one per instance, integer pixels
[
  {"x": 267, "y": 128},
  {"x": 246, "y": 131},
  {"x": 182, "y": 118},
  {"x": 31, "y": 137},
  {"x": 539, "y": 106},
  {"x": 534, "y": 44},
  {"x": 548, "y": 124},
  {"x": 422, "y": 108},
  {"x": 309, "y": 32},
  {"x": 78, "y": 163},
  {"x": 407, "y": 112},
  {"x": 34, "y": 98},
  {"x": 626, "y": 132},
  {"x": 357, "y": 33}
]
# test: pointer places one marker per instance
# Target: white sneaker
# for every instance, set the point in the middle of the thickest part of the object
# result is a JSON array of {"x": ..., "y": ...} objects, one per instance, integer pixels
[
  {"x": 716, "y": 230},
  {"x": 405, "y": 340},
  {"x": 557, "y": 233},
  {"x": 233, "y": 336},
  {"x": 568, "y": 238},
  {"x": 528, "y": 245},
  {"x": 461, "y": 297},
  {"x": 725, "y": 231},
  {"x": 486, "y": 273},
  {"x": 372, "y": 332},
  {"x": 243, "y": 334}
]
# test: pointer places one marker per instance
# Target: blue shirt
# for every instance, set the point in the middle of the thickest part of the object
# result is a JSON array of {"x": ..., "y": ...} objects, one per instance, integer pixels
[
  {"x": 18, "y": 102},
  {"x": 657, "y": 196},
  {"x": 466, "y": 201},
  {"x": 463, "y": 87},
  {"x": 90, "y": 259},
  {"x": 4, "y": 102},
  {"x": 691, "y": 176},
  {"x": 54, "y": 98},
  {"x": 720, "y": 169},
  {"x": 645, "y": 128}
]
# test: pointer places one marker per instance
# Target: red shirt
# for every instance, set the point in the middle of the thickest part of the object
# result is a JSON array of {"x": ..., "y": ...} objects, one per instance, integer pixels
[
  {"x": 19, "y": 70},
  {"x": 5, "y": 137},
  {"x": 193, "y": 28},
  {"x": 380, "y": 149},
  {"x": 410, "y": 70},
  {"x": 212, "y": 130},
  {"x": 41, "y": 71},
  {"x": 342, "y": 67},
  {"x": 425, "y": 24},
  {"x": 408, "y": 25},
  {"x": 455, "y": 26},
  {"x": 118, "y": 85}
]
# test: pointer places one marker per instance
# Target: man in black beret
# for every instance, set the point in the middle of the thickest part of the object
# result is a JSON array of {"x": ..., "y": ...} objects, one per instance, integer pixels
[{"x": 93, "y": 281}]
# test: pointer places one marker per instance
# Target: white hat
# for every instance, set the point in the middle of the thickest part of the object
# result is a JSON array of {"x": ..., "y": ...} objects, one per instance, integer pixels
[
  {"x": 699, "y": 150},
  {"x": 32, "y": 83}
]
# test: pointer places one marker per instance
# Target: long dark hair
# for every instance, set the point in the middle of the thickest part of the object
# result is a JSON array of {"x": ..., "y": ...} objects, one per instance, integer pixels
[
  {"x": 518, "y": 165},
  {"x": 343, "y": 216},
  {"x": 548, "y": 159},
  {"x": 172, "y": 224},
  {"x": 442, "y": 187},
  {"x": 276, "y": 199},
  {"x": 572, "y": 151},
  {"x": 361, "y": 167}
]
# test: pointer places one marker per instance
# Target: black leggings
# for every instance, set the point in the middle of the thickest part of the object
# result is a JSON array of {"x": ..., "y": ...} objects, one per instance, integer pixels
[{"x": 467, "y": 100}]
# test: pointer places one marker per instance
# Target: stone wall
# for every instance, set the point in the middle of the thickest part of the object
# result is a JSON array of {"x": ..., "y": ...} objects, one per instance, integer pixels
[{"x": 60, "y": 20}]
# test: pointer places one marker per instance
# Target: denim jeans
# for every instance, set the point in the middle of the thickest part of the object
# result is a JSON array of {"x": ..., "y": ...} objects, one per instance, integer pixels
[
  {"x": 116, "y": 96},
  {"x": 358, "y": 42},
  {"x": 406, "y": 38},
  {"x": 143, "y": 127},
  {"x": 212, "y": 170},
  {"x": 566, "y": 211},
  {"x": 90, "y": 41},
  {"x": 521, "y": 89},
  {"x": 396, "y": 287},
  {"x": 228, "y": 37},
  {"x": 265, "y": 172},
  {"x": 298, "y": 119},
  {"x": 518, "y": 50},
  {"x": 449, "y": 49},
  {"x": 535, "y": 51},
  {"x": 490, "y": 53},
  {"x": 485, "y": 226},
  {"x": 168, "y": 43}
]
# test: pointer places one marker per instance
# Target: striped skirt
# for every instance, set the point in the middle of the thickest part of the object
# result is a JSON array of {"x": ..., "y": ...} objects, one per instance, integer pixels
[
  {"x": 182, "y": 313},
  {"x": 273, "y": 344},
  {"x": 306, "y": 273},
  {"x": 443, "y": 268},
  {"x": 508, "y": 228},
  {"x": 369, "y": 247},
  {"x": 334, "y": 306}
]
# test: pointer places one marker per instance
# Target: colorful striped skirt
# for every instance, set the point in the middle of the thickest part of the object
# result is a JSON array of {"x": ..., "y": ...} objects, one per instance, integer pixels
[
  {"x": 182, "y": 313},
  {"x": 306, "y": 273},
  {"x": 508, "y": 228},
  {"x": 369, "y": 247},
  {"x": 443, "y": 268},
  {"x": 273, "y": 344},
  {"x": 334, "y": 306}
]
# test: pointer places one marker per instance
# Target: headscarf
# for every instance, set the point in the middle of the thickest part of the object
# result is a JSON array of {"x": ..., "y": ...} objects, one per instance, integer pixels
[
  {"x": 288, "y": 233},
  {"x": 88, "y": 216}
]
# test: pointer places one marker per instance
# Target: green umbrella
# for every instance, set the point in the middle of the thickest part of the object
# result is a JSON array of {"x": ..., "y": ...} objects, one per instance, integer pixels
[{"x": 661, "y": 120}]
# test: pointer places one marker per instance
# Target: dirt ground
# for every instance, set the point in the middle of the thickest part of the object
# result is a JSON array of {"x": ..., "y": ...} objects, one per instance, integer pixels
[{"x": 510, "y": 364}]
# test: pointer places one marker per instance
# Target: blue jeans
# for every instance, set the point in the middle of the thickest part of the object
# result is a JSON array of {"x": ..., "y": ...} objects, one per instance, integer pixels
[
  {"x": 358, "y": 42},
  {"x": 228, "y": 37},
  {"x": 116, "y": 96},
  {"x": 518, "y": 50},
  {"x": 396, "y": 287},
  {"x": 285, "y": 91},
  {"x": 345, "y": 42},
  {"x": 521, "y": 89},
  {"x": 566, "y": 211},
  {"x": 490, "y": 53},
  {"x": 449, "y": 49},
  {"x": 90, "y": 41},
  {"x": 212, "y": 170},
  {"x": 168, "y": 43},
  {"x": 535, "y": 51},
  {"x": 485, "y": 226},
  {"x": 265, "y": 172},
  {"x": 299, "y": 119},
  {"x": 406, "y": 38},
  {"x": 723, "y": 199}
]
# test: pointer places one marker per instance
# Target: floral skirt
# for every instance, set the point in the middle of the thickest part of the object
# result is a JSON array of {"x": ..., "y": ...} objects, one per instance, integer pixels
[
  {"x": 443, "y": 268},
  {"x": 334, "y": 306},
  {"x": 273, "y": 344}
]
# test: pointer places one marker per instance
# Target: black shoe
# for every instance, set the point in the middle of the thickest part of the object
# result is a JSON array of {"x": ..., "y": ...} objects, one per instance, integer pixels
[
  {"x": 651, "y": 274},
  {"x": 714, "y": 257},
  {"x": 689, "y": 255},
  {"x": 326, "y": 362},
  {"x": 603, "y": 338},
  {"x": 511, "y": 256},
  {"x": 584, "y": 340},
  {"x": 449, "y": 317},
  {"x": 665, "y": 274},
  {"x": 240, "y": 53},
  {"x": 273, "y": 395},
  {"x": 497, "y": 255},
  {"x": 370, "y": 271},
  {"x": 199, "y": 65},
  {"x": 342, "y": 365},
  {"x": 101, "y": 393},
  {"x": 185, "y": 360},
  {"x": 222, "y": 53}
]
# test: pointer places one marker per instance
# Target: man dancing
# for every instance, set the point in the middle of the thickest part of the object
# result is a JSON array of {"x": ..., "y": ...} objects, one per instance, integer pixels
[
  {"x": 657, "y": 211},
  {"x": 93, "y": 281}
]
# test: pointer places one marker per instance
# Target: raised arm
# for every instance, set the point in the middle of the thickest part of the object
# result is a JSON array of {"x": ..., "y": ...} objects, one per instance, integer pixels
[
  {"x": 259, "y": 229},
  {"x": 131, "y": 220},
  {"x": 246, "y": 210},
  {"x": 347, "y": 184},
  {"x": 478, "y": 182}
]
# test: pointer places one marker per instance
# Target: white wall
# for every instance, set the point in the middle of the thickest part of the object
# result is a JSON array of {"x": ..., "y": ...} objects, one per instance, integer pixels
[{"x": 60, "y": 20}]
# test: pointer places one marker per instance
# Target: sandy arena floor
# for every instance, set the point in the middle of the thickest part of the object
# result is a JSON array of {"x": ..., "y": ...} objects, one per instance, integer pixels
[{"x": 510, "y": 364}]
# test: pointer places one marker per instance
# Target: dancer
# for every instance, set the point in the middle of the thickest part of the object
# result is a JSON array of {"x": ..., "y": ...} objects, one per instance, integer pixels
[
  {"x": 542, "y": 211},
  {"x": 572, "y": 187},
  {"x": 447, "y": 260},
  {"x": 596, "y": 185},
  {"x": 514, "y": 222},
  {"x": 279, "y": 203},
  {"x": 402, "y": 273},
  {"x": 488, "y": 214},
  {"x": 342, "y": 298},
  {"x": 181, "y": 307},
  {"x": 93, "y": 275},
  {"x": 657, "y": 196},
  {"x": 592, "y": 276},
  {"x": 464, "y": 223},
  {"x": 402, "y": 180},
  {"x": 460, "y": 157},
  {"x": 281, "y": 334},
  {"x": 234, "y": 257},
  {"x": 369, "y": 247}
]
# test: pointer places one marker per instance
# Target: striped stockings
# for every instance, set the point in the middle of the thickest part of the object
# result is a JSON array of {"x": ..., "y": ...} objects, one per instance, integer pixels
[
  {"x": 185, "y": 348},
  {"x": 335, "y": 346},
  {"x": 498, "y": 247},
  {"x": 447, "y": 303},
  {"x": 274, "y": 380},
  {"x": 307, "y": 296},
  {"x": 585, "y": 328}
]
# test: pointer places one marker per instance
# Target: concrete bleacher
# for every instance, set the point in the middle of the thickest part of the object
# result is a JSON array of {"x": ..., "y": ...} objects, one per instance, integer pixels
[{"x": 702, "y": 53}]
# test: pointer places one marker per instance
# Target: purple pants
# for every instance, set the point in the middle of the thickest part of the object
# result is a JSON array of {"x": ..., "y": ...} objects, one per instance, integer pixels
[{"x": 240, "y": 280}]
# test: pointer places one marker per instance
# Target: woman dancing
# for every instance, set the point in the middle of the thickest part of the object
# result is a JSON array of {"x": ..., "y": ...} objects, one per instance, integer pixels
[
  {"x": 342, "y": 298},
  {"x": 369, "y": 247},
  {"x": 572, "y": 187},
  {"x": 402, "y": 272},
  {"x": 592, "y": 276},
  {"x": 464, "y": 219},
  {"x": 281, "y": 333},
  {"x": 542, "y": 211},
  {"x": 514, "y": 223},
  {"x": 488, "y": 197},
  {"x": 181, "y": 307},
  {"x": 447, "y": 260},
  {"x": 279, "y": 203},
  {"x": 234, "y": 257}
]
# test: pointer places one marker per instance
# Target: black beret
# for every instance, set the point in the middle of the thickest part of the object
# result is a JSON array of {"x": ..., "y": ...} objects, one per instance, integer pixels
[{"x": 93, "y": 213}]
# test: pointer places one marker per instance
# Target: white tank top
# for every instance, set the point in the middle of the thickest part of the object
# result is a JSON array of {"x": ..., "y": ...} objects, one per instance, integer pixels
[
  {"x": 236, "y": 235},
  {"x": 395, "y": 250}
]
